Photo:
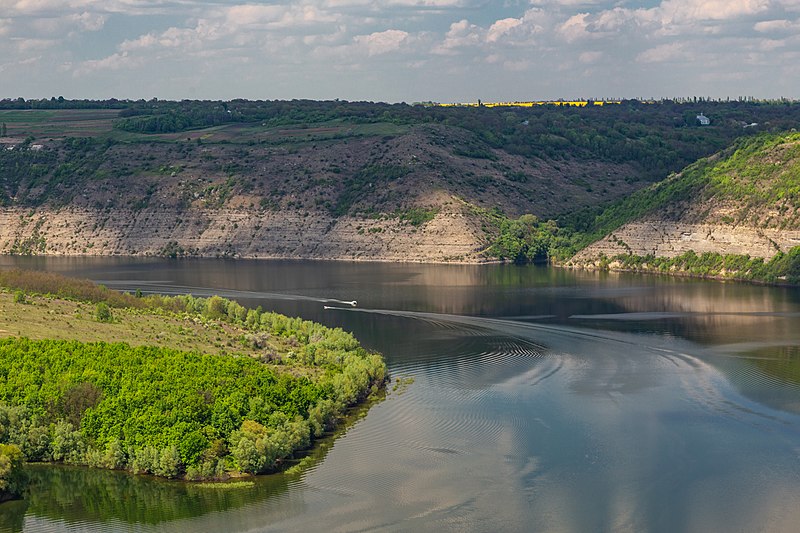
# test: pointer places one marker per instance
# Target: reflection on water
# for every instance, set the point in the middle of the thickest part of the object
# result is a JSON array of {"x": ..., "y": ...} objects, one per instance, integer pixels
[
  {"x": 780, "y": 362},
  {"x": 542, "y": 400},
  {"x": 80, "y": 495}
]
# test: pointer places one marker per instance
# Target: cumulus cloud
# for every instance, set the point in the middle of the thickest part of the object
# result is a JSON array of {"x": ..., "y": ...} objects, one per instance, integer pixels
[
  {"x": 461, "y": 34},
  {"x": 590, "y": 56},
  {"x": 500, "y": 28},
  {"x": 774, "y": 27},
  {"x": 112, "y": 62},
  {"x": 614, "y": 38},
  {"x": 88, "y": 21},
  {"x": 382, "y": 42},
  {"x": 664, "y": 52}
]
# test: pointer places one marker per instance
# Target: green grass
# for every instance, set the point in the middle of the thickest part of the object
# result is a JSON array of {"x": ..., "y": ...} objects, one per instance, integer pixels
[
  {"x": 226, "y": 485},
  {"x": 44, "y": 317}
]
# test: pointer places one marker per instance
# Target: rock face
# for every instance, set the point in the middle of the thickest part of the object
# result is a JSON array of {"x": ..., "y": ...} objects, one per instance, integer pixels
[
  {"x": 664, "y": 238},
  {"x": 744, "y": 201},
  {"x": 451, "y": 236}
]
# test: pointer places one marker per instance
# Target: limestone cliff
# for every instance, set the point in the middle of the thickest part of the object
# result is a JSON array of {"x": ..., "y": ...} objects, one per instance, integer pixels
[
  {"x": 745, "y": 201},
  {"x": 451, "y": 235}
]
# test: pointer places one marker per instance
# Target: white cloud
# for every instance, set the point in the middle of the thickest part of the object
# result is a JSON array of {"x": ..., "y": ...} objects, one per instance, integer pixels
[
  {"x": 500, "y": 28},
  {"x": 518, "y": 65},
  {"x": 565, "y": 3},
  {"x": 382, "y": 42},
  {"x": 460, "y": 35},
  {"x": 88, "y": 21},
  {"x": 253, "y": 15},
  {"x": 575, "y": 28},
  {"x": 590, "y": 57},
  {"x": 478, "y": 38},
  {"x": 681, "y": 11},
  {"x": 28, "y": 45},
  {"x": 776, "y": 26},
  {"x": 113, "y": 62},
  {"x": 664, "y": 52}
]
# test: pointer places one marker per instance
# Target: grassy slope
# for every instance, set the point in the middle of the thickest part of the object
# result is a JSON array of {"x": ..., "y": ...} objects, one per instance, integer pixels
[
  {"x": 306, "y": 155},
  {"x": 42, "y": 317},
  {"x": 755, "y": 177},
  {"x": 755, "y": 183},
  {"x": 333, "y": 167}
]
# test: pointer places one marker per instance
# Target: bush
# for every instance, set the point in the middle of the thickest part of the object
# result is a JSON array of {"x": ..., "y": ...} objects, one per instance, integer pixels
[
  {"x": 12, "y": 477},
  {"x": 103, "y": 313}
]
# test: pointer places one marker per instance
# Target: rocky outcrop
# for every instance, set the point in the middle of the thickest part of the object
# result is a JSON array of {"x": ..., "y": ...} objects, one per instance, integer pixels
[
  {"x": 451, "y": 236},
  {"x": 663, "y": 238}
]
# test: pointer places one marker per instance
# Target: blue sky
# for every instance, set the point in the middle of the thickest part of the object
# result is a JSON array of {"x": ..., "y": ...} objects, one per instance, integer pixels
[{"x": 399, "y": 50}]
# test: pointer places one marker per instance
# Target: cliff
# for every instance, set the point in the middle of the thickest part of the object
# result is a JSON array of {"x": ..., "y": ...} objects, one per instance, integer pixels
[
  {"x": 744, "y": 201},
  {"x": 450, "y": 236}
]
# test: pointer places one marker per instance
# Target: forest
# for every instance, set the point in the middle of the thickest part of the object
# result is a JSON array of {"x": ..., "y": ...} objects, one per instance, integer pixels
[{"x": 167, "y": 412}]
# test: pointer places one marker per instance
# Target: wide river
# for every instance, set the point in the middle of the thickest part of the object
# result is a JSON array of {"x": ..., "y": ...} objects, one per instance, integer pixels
[{"x": 542, "y": 400}]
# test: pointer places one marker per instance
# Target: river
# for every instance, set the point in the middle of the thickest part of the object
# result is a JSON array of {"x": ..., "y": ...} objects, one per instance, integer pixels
[{"x": 542, "y": 400}]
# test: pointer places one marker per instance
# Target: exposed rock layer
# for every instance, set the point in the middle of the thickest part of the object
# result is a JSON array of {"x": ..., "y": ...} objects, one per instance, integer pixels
[
  {"x": 663, "y": 238},
  {"x": 452, "y": 236}
]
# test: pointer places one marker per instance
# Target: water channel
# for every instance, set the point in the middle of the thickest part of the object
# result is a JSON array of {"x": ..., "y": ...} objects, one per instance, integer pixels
[{"x": 542, "y": 400}]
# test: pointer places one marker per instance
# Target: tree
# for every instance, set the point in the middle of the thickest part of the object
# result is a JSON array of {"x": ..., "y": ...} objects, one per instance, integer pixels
[
  {"x": 12, "y": 477},
  {"x": 103, "y": 313},
  {"x": 3, "y": 130}
]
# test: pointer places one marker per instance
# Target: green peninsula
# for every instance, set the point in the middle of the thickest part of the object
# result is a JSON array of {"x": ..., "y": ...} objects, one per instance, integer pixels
[{"x": 179, "y": 387}]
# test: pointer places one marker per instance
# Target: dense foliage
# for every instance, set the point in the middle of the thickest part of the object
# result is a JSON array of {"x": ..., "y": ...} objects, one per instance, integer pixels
[
  {"x": 654, "y": 137},
  {"x": 173, "y": 413},
  {"x": 12, "y": 477},
  {"x": 524, "y": 240},
  {"x": 751, "y": 172},
  {"x": 759, "y": 174},
  {"x": 782, "y": 268}
]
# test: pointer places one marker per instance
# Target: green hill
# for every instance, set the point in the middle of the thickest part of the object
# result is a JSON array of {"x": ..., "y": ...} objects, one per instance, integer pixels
[
  {"x": 350, "y": 180},
  {"x": 742, "y": 203}
]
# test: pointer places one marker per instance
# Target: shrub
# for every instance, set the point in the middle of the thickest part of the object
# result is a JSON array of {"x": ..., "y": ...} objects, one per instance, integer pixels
[
  {"x": 12, "y": 477},
  {"x": 103, "y": 313}
]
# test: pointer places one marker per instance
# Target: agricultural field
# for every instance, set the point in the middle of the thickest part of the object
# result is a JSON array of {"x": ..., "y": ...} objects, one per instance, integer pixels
[{"x": 58, "y": 124}]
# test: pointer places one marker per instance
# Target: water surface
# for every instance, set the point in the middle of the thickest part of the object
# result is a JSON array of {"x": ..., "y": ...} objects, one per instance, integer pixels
[{"x": 542, "y": 400}]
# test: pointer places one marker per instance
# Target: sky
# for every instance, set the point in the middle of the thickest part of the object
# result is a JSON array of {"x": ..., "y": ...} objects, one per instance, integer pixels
[{"x": 399, "y": 50}]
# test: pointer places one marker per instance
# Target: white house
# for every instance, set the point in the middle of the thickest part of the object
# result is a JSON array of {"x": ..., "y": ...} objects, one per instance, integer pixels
[{"x": 703, "y": 120}]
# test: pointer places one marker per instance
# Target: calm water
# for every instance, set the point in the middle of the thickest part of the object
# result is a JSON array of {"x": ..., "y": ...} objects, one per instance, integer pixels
[{"x": 542, "y": 400}]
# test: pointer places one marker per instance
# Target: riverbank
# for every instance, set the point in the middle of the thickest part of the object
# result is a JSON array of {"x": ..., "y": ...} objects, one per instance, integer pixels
[{"x": 782, "y": 269}]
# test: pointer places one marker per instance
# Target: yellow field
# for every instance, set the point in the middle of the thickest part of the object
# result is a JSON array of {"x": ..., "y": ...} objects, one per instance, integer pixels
[{"x": 559, "y": 103}]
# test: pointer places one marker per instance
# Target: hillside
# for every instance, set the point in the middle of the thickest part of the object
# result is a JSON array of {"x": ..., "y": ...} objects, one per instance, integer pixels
[
  {"x": 743, "y": 201},
  {"x": 331, "y": 180}
]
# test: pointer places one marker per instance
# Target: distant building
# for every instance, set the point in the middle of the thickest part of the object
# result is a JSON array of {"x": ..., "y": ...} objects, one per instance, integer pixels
[{"x": 703, "y": 120}]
